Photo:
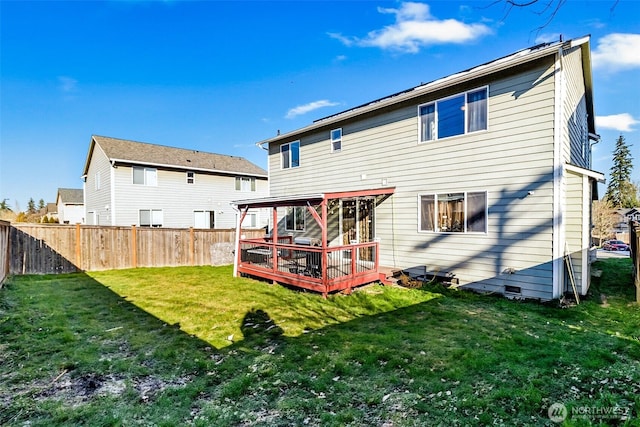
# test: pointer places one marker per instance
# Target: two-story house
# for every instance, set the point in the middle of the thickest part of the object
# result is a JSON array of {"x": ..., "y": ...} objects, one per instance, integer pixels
[
  {"x": 70, "y": 205},
  {"x": 483, "y": 176},
  {"x": 134, "y": 183}
]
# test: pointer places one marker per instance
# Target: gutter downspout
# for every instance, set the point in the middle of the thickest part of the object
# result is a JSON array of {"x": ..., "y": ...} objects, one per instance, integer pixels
[
  {"x": 237, "y": 241},
  {"x": 112, "y": 178},
  {"x": 558, "y": 181},
  {"x": 594, "y": 139}
]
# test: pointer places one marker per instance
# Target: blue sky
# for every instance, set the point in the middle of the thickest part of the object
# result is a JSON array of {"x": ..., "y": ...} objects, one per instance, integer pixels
[{"x": 220, "y": 76}]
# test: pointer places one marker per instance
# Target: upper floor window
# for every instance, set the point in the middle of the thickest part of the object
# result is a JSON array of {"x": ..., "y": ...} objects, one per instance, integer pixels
[
  {"x": 290, "y": 155},
  {"x": 191, "y": 177},
  {"x": 336, "y": 140},
  {"x": 97, "y": 181},
  {"x": 151, "y": 217},
  {"x": 145, "y": 176},
  {"x": 455, "y": 115},
  {"x": 295, "y": 218},
  {"x": 453, "y": 212},
  {"x": 244, "y": 183}
]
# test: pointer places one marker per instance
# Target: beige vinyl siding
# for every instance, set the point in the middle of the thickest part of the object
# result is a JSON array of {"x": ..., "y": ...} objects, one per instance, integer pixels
[
  {"x": 509, "y": 160},
  {"x": 575, "y": 218},
  {"x": 575, "y": 111},
  {"x": 178, "y": 200},
  {"x": 98, "y": 201}
]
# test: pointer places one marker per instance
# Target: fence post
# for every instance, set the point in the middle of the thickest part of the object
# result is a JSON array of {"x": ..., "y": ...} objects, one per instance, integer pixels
[
  {"x": 634, "y": 229},
  {"x": 191, "y": 246},
  {"x": 134, "y": 247},
  {"x": 78, "y": 249}
]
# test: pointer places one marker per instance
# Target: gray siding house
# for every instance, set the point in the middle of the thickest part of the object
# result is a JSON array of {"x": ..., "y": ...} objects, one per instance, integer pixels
[
  {"x": 134, "y": 183},
  {"x": 484, "y": 174},
  {"x": 70, "y": 205}
]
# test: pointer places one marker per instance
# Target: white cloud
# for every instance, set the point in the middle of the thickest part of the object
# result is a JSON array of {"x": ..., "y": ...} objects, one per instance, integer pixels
[
  {"x": 415, "y": 28},
  {"x": 620, "y": 122},
  {"x": 617, "y": 52},
  {"x": 548, "y": 38},
  {"x": 306, "y": 108},
  {"x": 67, "y": 84}
]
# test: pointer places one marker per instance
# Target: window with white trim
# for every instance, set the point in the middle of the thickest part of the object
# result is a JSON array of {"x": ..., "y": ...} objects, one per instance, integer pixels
[
  {"x": 203, "y": 219},
  {"x": 191, "y": 177},
  {"x": 336, "y": 140},
  {"x": 455, "y": 115},
  {"x": 294, "y": 220},
  {"x": 250, "y": 220},
  {"x": 97, "y": 181},
  {"x": 245, "y": 183},
  {"x": 145, "y": 176},
  {"x": 290, "y": 155},
  {"x": 462, "y": 212},
  {"x": 151, "y": 217}
]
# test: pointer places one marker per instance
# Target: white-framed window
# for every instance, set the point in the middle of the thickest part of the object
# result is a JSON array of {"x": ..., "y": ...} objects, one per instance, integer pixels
[
  {"x": 461, "y": 212},
  {"x": 250, "y": 220},
  {"x": 336, "y": 140},
  {"x": 245, "y": 183},
  {"x": 455, "y": 115},
  {"x": 96, "y": 181},
  {"x": 145, "y": 176},
  {"x": 151, "y": 217},
  {"x": 204, "y": 219},
  {"x": 191, "y": 177},
  {"x": 290, "y": 155},
  {"x": 294, "y": 220}
]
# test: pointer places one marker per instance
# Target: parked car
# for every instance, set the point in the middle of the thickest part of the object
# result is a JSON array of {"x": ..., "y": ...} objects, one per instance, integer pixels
[{"x": 615, "y": 245}]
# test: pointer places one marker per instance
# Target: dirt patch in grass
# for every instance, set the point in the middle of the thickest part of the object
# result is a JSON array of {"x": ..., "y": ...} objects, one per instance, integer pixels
[{"x": 75, "y": 391}]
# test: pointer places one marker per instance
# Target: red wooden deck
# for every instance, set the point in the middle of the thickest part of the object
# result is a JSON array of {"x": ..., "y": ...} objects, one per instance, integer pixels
[
  {"x": 321, "y": 268},
  {"x": 324, "y": 270}
]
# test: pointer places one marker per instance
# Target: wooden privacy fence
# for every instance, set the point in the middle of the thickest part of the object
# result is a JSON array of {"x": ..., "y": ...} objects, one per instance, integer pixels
[
  {"x": 51, "y": 249},
  {"x": 4, "y": 250}
]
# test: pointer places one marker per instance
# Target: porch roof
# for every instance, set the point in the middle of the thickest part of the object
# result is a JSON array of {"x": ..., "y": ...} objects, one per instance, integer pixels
[{"x": 303, "y": 199}]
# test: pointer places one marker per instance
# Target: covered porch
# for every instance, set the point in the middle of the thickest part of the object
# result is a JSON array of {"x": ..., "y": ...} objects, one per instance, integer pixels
[{"x": 322, "y": 242}]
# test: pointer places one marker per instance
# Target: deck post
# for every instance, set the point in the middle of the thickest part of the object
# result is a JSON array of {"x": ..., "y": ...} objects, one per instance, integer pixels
[
  {"x": 238, "y": 258},
  {"x": 274, "y": 240},
  {"x": 325, "y": 274}
]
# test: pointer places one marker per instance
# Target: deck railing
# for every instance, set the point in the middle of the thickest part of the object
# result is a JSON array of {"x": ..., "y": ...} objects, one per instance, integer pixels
[{"x": 310, "y": 267}]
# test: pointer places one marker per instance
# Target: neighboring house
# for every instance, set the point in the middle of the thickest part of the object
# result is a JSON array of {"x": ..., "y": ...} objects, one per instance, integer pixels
[
  {"x": 483, "y": 175},
  {"x": 49, "y": 211},
  {"x": 134, "y": 183},
  {"x": 621, "y": 225},
  {"x": 623, "y": 216},
  {"x": 70, "y": 205}
]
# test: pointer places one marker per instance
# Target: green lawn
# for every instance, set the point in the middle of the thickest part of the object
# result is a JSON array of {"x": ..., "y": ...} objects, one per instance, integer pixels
[{"x": 194, "y": 346}]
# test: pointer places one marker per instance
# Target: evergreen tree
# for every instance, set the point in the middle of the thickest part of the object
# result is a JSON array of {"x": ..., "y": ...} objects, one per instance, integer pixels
[
  {"x": 620, "y": 191},
  {"x": 4, "y": 206},
  {"x": 31, "y": 206},
  {"x": 41, "y": 204}
]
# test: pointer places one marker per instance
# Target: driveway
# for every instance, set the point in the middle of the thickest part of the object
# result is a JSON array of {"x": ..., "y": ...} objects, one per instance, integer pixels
[{"x": 602, "y": 254}]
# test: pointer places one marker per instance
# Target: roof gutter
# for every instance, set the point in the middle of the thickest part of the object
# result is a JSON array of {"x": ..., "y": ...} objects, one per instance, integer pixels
[{"x": 162, "y": 165}]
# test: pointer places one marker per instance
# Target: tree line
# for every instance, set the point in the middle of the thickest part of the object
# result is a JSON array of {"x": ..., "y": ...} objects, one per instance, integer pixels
[
  {"x": 621, "y": 192},
  {"x": 34, "y": 212}
]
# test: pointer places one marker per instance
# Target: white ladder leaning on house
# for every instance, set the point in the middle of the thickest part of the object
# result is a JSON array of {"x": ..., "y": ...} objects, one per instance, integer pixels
[{"x": 572, "y": 278}]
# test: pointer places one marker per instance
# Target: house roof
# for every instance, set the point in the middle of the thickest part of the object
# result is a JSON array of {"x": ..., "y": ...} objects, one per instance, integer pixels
[
  {"x": 495, "y": 66},
  {"x": 304, "y": 199},
  {"x": 142, "y": 153},
  {"x": 73, "y": 196}
]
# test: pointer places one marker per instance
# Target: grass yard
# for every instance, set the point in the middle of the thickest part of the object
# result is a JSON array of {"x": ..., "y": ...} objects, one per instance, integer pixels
[{"x": 194, "y": 346}]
